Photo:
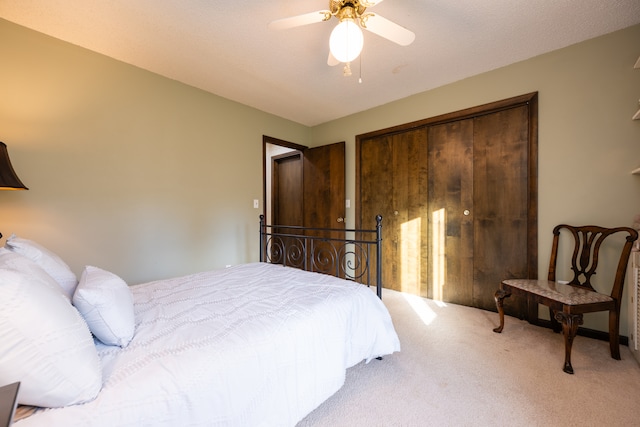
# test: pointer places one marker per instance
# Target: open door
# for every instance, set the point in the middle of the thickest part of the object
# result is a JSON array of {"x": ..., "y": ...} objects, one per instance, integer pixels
[
  {"x": 324, "y": 204},
  {"x": 319, "y": 195},
  {"x": 305, "y": 187},
  {"x": 323, "y": 187}
]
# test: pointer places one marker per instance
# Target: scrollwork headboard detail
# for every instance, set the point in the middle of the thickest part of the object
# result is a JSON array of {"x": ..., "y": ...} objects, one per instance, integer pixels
[{"x": 347, "y": 253}]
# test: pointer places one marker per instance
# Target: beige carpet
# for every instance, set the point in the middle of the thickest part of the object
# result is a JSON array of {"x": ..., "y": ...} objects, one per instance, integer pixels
[{"x": 453, "y": 370}]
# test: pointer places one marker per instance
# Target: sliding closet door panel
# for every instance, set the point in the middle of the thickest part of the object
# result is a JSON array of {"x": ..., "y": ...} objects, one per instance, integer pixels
[
  {"x": 409, "y": 214},
  {"x": 501, "y": 202},
  {"x": 458, "y": 193},
  {"x": 376, "y": 184},
  {"x": 450, "y": 207},
  {"x": 393, "y": 183}
]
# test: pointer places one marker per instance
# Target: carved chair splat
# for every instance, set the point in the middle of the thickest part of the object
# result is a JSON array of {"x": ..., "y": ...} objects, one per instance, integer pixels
[{"x": 568, "y": 301}]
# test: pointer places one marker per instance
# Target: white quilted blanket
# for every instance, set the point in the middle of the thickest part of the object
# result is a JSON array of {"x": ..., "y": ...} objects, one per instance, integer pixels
[{"x": 251, "y": 345}]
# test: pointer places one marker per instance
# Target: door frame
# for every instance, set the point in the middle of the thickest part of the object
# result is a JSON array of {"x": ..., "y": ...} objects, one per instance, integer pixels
[
  {"x": 531, "y": 100},
  {"x": 266, "y": 193},
  {"x": 319, "y": 178}
]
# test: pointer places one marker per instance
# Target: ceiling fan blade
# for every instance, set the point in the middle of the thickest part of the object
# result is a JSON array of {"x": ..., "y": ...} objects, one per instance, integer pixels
[
  {"x": 300, "y": 20},
  {"x": 387, "y": 29},
  {"x": 331, "y": 60}
]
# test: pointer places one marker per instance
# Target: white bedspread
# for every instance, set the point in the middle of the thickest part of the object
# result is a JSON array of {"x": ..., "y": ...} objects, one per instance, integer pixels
[{"x": 251, "y": 345}]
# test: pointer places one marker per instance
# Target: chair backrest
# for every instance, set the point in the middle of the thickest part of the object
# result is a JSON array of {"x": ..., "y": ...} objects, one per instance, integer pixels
[{"x": 584, "y": 261}]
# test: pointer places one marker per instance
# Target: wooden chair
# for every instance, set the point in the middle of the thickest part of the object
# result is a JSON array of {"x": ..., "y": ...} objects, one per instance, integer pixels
[{"x": 567, "y": 301}]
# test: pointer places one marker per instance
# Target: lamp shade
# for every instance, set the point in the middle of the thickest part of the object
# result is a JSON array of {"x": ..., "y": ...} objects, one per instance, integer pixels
[
  {"x": 8, "y": 178},
  {"x": 346, "y": 41}
]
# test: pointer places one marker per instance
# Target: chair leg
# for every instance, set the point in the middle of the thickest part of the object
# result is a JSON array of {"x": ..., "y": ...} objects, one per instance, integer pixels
[
  {"x": 570, "y": 323},
  {"x": 555, "y": 325},
  {"x": 614, "y": 334},
  {"x": 499, "y": 296}
]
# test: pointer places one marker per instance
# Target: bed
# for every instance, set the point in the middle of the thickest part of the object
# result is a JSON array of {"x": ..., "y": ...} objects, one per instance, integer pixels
[{"x": 259, "y": 344}]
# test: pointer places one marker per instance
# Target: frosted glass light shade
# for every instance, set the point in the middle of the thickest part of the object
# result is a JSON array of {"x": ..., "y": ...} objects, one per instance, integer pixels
[{"x": 346, "y": 41}]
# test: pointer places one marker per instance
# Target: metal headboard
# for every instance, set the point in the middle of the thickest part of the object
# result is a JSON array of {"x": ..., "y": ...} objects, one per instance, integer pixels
[{"x": 318, "y": 250}]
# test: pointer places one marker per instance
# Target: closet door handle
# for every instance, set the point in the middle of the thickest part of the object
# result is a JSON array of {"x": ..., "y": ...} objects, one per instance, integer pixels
[{"x": 340, "y": 219}]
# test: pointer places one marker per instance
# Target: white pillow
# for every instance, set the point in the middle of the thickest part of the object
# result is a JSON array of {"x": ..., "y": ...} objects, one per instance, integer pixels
[
  {"x": 106, "y": 303},
  {"x": 21, "y": 263},
  {"x": 46, "y": 345},
  {"x": 50, "y": 262}
]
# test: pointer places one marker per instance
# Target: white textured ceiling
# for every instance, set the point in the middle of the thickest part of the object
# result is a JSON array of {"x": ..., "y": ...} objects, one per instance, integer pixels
[{"x": 225, "y": 47}]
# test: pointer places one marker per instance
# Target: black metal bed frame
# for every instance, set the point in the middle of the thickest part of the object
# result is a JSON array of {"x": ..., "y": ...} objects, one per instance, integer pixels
[{"x": 310, "y": 249}]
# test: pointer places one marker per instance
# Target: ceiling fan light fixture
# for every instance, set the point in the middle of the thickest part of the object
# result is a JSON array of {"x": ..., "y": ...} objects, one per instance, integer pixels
[{"x": 346, "y": 40}]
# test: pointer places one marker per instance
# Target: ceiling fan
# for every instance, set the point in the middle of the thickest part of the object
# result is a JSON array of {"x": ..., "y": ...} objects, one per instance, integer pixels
[{"x": 346, "y": 41}]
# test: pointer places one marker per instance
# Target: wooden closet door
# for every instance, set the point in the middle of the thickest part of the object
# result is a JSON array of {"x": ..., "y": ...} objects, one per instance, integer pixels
[
  {"x": 450, "y": 205},
  {"x": 410, "y": 216},
  {"x": 458, "y": 193},
  {"x": 376, "y": 182},
  {"x": 390, "y": 168},
  {"x": 478, "y": 199},
  {"x": 501, "y": 201}
]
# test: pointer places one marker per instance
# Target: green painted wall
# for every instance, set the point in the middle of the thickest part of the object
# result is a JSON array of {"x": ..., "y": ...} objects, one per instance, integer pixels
[{"x": 127, "y": 170}]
